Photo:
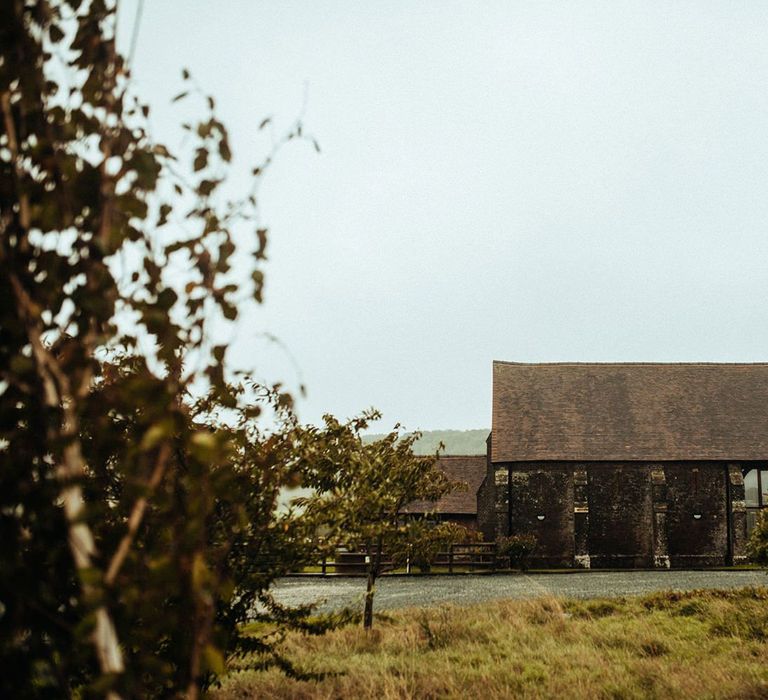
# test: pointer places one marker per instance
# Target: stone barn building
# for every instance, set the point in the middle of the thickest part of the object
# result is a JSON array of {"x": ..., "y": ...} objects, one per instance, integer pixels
[
  {"x": 627, "y": 465},
  {"x": 459, "y": 506}
]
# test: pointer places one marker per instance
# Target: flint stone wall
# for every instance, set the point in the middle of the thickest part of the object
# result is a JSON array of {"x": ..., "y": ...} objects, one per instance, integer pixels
[{"x": 619, "y": 514}]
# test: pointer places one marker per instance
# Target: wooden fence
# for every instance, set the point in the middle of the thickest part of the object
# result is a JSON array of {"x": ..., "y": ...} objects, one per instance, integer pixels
[
  {"x": 460, "y": 557},
  {"x": 471, "y": 555}
]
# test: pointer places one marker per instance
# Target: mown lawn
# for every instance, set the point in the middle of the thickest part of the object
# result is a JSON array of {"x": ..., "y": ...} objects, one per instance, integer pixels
[{"x": 702, "y": 644}]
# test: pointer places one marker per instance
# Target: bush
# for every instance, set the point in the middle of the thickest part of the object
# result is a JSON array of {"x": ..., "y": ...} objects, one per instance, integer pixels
[
  {"x": 757, "y": 547},
  {"x": 432, "y": 539},
  {"x": 518, "y": 548}
]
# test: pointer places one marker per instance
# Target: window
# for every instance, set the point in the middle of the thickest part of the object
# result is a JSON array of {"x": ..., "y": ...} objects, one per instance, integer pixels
[
  {"x": 751, "y": 489},
  {"x": 755, "y": 494}
]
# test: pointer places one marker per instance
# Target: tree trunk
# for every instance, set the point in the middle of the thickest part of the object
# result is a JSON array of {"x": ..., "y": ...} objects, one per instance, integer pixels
[
  {"x": 58, "y": 394},
  {"x": 368, "y": 614},
  {"x": 374, "y": 566}
]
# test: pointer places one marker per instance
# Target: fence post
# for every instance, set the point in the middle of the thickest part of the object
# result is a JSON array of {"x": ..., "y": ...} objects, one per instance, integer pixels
[
  {"x": 408, "y": 560},
  {"x": 450, "y": 558},
  {"x": 323, "y": 565}
]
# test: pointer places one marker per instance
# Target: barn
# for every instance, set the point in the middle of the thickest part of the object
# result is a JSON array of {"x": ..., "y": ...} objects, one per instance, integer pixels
[
  {"x": 458, "y": 506},
  {"x": 627, "y": 465}
]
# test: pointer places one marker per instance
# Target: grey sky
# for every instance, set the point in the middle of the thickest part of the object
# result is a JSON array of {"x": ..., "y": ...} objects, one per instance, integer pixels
[{"x": 517, "y": 181}]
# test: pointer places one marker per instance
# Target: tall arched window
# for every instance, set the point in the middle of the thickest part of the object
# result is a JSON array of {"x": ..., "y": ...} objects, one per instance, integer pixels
[{"x": 755, "y": 494}]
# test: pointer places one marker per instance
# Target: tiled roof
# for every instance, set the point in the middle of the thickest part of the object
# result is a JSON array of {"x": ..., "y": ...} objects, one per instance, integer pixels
[
  {"x": 467, "y": 469},
  {"x": 635, "y": 411}
]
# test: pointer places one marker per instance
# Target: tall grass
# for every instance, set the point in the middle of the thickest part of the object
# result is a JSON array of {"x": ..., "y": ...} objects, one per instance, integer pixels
[{"x": 702, "y": 644}]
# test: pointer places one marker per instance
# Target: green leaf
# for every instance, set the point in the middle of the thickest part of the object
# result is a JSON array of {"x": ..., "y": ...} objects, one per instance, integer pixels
[
  {"x": 228, "y": 310},
  {"x": 261, "y": 250},
  {"x": 201, "y": 159},
  {"x": 177, "y": 246},
  {"x": 206, "y": 187},
  {"x": 214, "y": 660},
  {"x": 165, "y": 210},
  {"x": 166, "y": 299},
  {"x": 21, "y": 365},
  {"x": 204, "y": 446},
  {"x": 258, "y": 285},
  {"x": 224, "y": 152},
  {"x": 161, "y": 150},
  {"x": 156, "y": 434},
  {"x": 55, "y": 33}
]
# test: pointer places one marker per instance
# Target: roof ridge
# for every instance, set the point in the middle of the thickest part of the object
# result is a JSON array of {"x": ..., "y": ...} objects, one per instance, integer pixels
[
  {"x": 461, "y": 456},
  {"x": 635, "y": 364}
]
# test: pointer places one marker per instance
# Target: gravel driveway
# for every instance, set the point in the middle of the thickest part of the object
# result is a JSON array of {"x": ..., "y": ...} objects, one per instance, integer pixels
[{"x": 400, "y": 592}]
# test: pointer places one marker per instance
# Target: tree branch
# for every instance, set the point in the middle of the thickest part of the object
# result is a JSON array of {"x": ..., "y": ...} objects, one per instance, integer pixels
[
  {"x": 70, "y": 469},
  {"x": 136, "y": 516},
  {"x": 13, "y": 146}
]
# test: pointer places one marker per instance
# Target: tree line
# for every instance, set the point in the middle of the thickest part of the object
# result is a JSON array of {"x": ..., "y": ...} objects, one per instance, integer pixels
[{"x": 452, "y": 442}]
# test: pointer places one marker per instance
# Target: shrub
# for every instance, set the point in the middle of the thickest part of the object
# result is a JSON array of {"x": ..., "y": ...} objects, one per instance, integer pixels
[
  {"x": 757, "y": 547},
  {"x": 517, "y": 548}
]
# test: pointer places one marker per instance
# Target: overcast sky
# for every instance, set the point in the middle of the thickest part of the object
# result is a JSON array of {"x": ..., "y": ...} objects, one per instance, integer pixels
[{"x": 522, "y": 181}]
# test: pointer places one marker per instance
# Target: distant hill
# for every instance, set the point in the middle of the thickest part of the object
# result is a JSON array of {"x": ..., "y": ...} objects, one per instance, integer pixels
[{"x": 457, "y": 442}]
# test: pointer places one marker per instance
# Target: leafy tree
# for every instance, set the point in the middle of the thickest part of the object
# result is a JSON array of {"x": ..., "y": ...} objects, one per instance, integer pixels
[
  {"x": 138, "y": 524},
  {"x": 362, "y": 488}
]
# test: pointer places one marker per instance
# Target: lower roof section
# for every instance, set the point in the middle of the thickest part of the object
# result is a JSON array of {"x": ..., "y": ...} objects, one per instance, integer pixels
[{"x": 469, "y": 470}]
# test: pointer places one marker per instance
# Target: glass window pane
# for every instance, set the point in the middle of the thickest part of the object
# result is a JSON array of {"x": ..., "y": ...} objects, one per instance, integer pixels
[
  {"x": 764, "y": 485},
  {"x": 750, "y": 488},
  {"x": 751, "y": 521}
]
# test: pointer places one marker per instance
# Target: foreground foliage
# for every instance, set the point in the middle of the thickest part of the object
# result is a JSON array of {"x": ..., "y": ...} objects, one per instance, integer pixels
[
  {"x": 138, "y": 495},
  {"x": 711, "y": 644}
]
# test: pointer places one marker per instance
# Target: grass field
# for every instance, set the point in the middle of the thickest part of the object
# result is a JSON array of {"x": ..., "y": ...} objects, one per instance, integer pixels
[{"x": 711, "y": 644}]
